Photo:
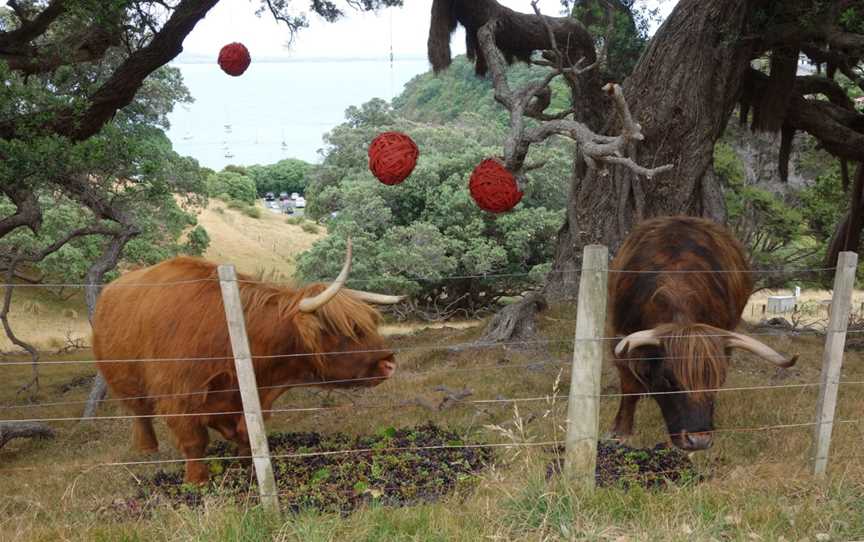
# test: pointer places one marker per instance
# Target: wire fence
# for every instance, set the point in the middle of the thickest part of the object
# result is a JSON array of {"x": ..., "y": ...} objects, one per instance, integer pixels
[
  {"x": 457, "y": 402},
  {"x": 444, "y": 278}
]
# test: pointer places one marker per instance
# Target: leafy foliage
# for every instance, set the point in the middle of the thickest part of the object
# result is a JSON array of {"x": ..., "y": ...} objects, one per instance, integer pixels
[
  {"x": 457, "y": 92},
  {"x": 127, "y": 169},
  {"x": 229, "y": 184},
  {"x": 416, "y": 237},
  {"x": 620, "y": 28},
  {"x": 284, "y": 176},
  {"x": 773, "y": 231}
]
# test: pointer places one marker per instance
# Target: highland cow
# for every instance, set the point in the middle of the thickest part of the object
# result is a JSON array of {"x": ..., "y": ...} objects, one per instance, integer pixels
[
  {"x": 677, "y": 288},
  {"x": 170, "y": 317}
]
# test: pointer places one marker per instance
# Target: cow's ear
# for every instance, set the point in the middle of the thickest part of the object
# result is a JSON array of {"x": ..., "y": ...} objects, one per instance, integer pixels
[{"x": 219, "y": 385}]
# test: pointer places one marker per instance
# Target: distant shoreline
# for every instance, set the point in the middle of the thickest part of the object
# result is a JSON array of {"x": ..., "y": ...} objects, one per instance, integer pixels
[{"x": 291, "y": 60}]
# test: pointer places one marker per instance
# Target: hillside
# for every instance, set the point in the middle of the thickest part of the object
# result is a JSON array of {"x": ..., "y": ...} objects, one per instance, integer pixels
[{"x": 264, "y": 246}]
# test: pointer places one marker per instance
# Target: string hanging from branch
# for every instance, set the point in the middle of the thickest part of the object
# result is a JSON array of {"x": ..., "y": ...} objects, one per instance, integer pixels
[
  {"x": 392, "y": 157},
  {"x": 234, "y": 59}
]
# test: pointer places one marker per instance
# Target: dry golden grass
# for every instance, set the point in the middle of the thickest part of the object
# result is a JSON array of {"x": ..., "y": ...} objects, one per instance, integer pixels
[
  {"x": 812, "y": 303},
  {"x": 45, "y": 320},
  {"x": 266, "y": 245},
  {"x": 759, "y": 487}
]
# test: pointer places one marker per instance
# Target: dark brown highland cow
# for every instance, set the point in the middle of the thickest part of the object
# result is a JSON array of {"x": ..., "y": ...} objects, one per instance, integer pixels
[
  {"x": 173, "y": 311},
  {"x": 677, "y": 288}
]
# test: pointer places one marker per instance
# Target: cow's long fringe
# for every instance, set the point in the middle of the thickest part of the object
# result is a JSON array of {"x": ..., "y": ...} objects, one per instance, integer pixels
[
  {"x": 342, "y": 316},
  {"x": 696, "y": 353}
]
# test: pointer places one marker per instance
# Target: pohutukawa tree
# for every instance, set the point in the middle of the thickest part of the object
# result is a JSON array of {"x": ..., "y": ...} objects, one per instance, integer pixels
[
  {"x": 85, "y": 92},
  {"x": 701, "y": 63}
]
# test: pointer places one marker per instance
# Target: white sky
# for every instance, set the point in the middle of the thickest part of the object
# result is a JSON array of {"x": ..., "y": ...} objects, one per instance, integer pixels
[{"x": 357, "y": 35}]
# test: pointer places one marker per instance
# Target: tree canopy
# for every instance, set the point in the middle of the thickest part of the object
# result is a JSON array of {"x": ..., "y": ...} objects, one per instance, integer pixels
[{"x": 414, "y": 238}]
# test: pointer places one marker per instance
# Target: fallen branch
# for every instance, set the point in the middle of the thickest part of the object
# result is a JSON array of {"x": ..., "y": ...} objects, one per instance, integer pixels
[{"x": 13, "y": 430}]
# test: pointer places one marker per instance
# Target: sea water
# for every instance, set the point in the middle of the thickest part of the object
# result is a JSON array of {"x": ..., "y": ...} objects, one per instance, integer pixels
[{"x": 277, "y": 110}]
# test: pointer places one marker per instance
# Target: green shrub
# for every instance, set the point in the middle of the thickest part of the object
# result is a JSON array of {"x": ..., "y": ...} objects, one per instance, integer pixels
[
  {"x": 309, "y": 227},
  {"x": 252, "y": 211},
  {"x": 197, "y": 242},
  {"x": 294, "y": 220}
]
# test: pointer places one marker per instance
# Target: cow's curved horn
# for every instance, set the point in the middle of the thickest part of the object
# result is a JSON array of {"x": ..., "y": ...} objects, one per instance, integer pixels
[
  {"x": 311, "y": 304},
  {"x": 737, "y": 340},
  {"x": 376, "y": 299},
  {"x": 645, "y": 337}
]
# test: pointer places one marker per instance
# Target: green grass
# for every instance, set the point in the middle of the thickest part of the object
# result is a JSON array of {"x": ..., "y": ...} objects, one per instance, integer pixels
[{"x": 757, "y": 486}]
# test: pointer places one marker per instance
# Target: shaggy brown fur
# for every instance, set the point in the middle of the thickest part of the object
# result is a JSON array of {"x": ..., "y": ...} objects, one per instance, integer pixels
[
  {"x": 143, "y": 315},
  {"x": 689, "y": 278}
]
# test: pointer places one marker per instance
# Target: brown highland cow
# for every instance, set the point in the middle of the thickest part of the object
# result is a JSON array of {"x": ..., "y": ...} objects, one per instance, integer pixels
[
  {"x": 170, "y": 316},
  {"x": 677, "y": 288}
]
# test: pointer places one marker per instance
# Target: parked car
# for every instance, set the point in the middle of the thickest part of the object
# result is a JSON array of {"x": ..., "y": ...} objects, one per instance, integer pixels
[
  {"x": 300, "y": 202},
  {"x": 283, "y": 196},
  {"x": 294, "y": 195},
  {"x": 269, "y": 196}
]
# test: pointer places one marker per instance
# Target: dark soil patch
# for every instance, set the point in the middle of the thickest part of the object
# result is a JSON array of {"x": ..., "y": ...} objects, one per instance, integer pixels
[
  {"x": 621, "y": 465},
  {"x": 392, "y": 472}
]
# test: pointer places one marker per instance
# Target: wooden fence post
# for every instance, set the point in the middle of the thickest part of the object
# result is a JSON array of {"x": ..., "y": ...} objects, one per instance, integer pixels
[
  {"x": 832, "y": 358},
  {"x": 583, "y": 407},
  {"x": 248, "y": 387}
]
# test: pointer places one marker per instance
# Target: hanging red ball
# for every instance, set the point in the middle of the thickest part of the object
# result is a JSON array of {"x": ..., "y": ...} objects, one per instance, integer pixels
[
  {"x": 493, "y": 188},
  {"x": 234, "y": 59},
  {"x": 392, "y": 157}
]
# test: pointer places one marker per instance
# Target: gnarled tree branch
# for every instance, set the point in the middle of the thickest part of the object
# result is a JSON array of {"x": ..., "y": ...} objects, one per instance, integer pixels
[{"x": 595, "y": 147}]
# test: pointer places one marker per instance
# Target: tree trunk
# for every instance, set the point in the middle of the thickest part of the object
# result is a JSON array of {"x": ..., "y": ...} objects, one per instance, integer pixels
[
  {"x": 95, "y": 275},
  {"x": 682, "y": 91}
]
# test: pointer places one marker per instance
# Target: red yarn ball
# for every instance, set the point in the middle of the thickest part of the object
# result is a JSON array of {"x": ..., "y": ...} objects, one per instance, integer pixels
[
  {"x": 493, "y": 187},
  {"x": 234, "y": 59},
  {"x": 392, "y": 157}
]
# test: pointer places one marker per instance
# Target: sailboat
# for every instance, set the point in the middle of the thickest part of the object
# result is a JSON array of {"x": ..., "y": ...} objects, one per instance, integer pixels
[
  {"x": 284, "y": 145},
  {"x": 227, "y": 124}
]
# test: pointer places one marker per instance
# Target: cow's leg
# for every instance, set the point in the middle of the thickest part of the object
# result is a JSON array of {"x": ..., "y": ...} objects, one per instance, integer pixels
[
  {"x": 623, "y": 425},
  {"x": 143, "y": 436},
  {"x": 192, "y": 439}
]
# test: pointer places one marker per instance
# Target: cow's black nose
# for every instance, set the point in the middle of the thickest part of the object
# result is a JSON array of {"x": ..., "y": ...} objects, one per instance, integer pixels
[{"x": 696, "y": 441}]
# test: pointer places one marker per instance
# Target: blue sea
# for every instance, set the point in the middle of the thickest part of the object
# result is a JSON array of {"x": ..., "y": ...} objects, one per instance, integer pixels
[{"x": 277, "y": 110}]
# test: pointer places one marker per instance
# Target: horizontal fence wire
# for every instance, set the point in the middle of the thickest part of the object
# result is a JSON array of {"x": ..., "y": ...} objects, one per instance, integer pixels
[
  {"x": 356, "y": 451},
  {"x": 442, "y": 278},
  {"x": 285, "y": 282},
  {"x": 455, "y": 346},
  {"x": 410, "y": 403},
  {"x": 439, "y": 370},
  {"x": 297, "y": 455},
  {"x": 561, "y": 364},
  {"x": 452, "y": 347}
]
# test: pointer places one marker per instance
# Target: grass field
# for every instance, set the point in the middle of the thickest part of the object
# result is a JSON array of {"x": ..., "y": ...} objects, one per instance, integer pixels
[{"x": 757, "y": 483}]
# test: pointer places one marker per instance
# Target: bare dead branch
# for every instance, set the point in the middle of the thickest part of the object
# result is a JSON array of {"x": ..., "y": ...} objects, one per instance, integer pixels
[
  {"x": 12, "y": 430},
  {"x": 596, "y": 148}
]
